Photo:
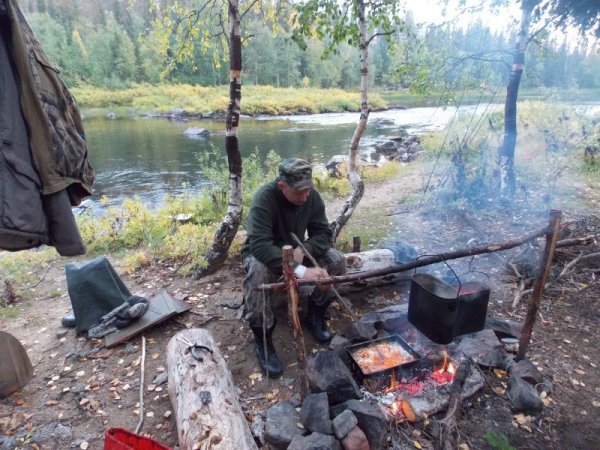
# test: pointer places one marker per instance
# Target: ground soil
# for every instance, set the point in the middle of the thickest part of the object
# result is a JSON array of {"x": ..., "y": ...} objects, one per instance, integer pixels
[{"x": 81, "y": 389}]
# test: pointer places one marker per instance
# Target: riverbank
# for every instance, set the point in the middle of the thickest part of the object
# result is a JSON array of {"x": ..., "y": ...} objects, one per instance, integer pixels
[{"x": 198, "y": 101}]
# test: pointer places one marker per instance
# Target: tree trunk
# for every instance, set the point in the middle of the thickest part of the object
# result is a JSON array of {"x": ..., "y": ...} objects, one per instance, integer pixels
[
  {"x": 358, "y": 187},
  {"x": 229, "y": 226},
  {"x": 507, "y": 151},
  {"x": 204, "y": 398}
]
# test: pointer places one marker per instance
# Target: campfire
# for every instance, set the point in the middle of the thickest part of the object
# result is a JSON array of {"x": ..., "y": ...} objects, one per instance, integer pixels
[{"x": 409, "y": 385}]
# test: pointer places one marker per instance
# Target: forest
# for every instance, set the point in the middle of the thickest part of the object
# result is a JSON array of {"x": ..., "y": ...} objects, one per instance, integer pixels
[{"x": 117, "y": 43}]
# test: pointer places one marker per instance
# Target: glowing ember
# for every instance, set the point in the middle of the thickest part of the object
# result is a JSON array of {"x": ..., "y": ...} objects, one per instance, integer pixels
[{"x": 445, "y": 373}]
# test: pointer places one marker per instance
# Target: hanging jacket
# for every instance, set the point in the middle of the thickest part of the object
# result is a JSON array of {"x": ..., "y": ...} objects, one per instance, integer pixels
[{"x": 57, "y": 152}]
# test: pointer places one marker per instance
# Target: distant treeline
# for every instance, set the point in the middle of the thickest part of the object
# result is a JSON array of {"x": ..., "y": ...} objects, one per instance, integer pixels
[{"x": 115, "y": 43}]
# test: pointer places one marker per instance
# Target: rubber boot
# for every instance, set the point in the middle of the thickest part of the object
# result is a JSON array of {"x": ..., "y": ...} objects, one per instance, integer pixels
[
  {"x": 271, "y": 365},
  {"x": 69, "y": 321},
  {"x": 315, "y": 319}
]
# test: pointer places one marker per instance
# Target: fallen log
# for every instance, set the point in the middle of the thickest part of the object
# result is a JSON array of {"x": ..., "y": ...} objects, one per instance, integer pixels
[
  {"x": 425, "y": 261},
  {"x": 204, "y": 398},
  {"x": 376, "y": 259}
]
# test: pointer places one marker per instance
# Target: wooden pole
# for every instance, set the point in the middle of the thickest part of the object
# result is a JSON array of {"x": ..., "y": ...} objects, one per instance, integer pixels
[
  {"x": 356, "y": 244},
  {"x": 421, "y": 262},
  {"x": 290, "y": 281},
  {"x": 540, "y": 281}
]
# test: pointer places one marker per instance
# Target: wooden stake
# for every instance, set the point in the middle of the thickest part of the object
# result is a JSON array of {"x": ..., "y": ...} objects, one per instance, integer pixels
[
  {"x": 356, "y": 244},
  {"x": 540, "y": 281},
  {"x": 290, "y": 281},
  {"x": 142, "y": 364}
]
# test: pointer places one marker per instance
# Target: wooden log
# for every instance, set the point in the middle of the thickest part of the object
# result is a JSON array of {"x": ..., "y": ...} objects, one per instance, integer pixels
[
  {"x": 369, "y": 260},
  {"x": 290, "y": 281},
  {"x": 204, "y": 398}
]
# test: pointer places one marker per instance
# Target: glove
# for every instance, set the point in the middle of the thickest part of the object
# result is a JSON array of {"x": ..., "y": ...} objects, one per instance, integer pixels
[{"x": 120, "y": 317}]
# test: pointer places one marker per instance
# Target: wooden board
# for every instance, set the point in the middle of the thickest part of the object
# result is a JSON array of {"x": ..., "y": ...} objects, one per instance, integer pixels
[{"x": 160, "y": 308}]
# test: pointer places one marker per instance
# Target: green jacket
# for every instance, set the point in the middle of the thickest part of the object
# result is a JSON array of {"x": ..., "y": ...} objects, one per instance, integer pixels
[
  {"x": 56, "y": 135},
  {"x": 272, "y": 218}
]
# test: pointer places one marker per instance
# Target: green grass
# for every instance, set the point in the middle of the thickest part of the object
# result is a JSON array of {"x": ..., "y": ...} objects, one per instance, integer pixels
[{"x": 9, "y": 313}]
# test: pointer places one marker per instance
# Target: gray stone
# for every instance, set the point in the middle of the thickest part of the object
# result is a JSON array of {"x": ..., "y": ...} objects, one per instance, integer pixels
[
  {"x": 526, "y": 370},
  {"x": 483, "y": 347},
  {"x": 196, "y": 132},
  {"x": 356, "y": 440},
  {"x": 370, "y": 420},
  {"x": 392, "y": 319},
  {"x": 327, "y": 373},
  {"x": 343, "y": 423},
  {"x": 315, "y": 413},
  {"x": 523, "y": 396},
  {"x": 282, "y": 425},
  {"x": 315, "y": 441},
  {"x": 504, "y": 327},
  {"x": 8, "y": 442},
  {"x": 360, "y": 332},
  {"x": 52, "y": 430}
]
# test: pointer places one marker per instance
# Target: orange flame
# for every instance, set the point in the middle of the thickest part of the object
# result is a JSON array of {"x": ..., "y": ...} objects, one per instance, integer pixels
[{"x": 445, "y": 373}]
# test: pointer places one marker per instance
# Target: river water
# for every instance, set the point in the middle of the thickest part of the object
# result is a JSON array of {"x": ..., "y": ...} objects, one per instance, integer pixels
[{"x": 150, "y": 158}]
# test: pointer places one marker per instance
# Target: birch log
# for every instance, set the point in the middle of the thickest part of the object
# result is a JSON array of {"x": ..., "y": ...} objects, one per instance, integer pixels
[
  {"x": 204, "y": 398},
  {"x": 371, "y": 260}
]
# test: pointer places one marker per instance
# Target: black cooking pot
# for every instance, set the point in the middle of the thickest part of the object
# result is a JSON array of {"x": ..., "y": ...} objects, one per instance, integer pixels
[{"x": 442, "y": 311}]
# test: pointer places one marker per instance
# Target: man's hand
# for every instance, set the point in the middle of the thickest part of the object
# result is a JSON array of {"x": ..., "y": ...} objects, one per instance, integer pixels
[
  {"x": 315, "y": 273},
  {"x": 298, "y": 255}
]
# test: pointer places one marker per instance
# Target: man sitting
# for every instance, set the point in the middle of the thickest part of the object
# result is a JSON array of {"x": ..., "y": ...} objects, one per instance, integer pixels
[{"x": 289, "y": 204}]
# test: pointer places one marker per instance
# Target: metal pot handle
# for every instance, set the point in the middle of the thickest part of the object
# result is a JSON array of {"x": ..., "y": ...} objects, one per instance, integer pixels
[{"x": 449, "y": 267}]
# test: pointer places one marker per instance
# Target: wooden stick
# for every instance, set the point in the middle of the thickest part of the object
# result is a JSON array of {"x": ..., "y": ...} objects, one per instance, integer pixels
[
  {"x": 487, "y": 248},
  {"x": 290, "y": 281},
  {"x": 314, "y": 262},
  {"x": 356, "y": 244},
  {"x": 448, "y": 430},
  {"x": 540, "y": 282},
  {"x": 141, "y": 422}
]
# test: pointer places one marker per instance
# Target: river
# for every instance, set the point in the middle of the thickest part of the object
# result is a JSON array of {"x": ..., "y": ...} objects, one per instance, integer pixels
[{"x": 150, "y": 158}]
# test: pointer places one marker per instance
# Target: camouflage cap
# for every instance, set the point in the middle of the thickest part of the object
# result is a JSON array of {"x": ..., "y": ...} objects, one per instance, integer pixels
[{"x": 296, "y": 173}]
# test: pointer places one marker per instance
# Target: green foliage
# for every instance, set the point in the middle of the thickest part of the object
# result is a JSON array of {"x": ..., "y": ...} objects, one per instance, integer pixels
[
  {"x": 24, "y": 269},
  {"x": 340, "y": 186},
  {"x": 148, "y": 236},
  {"x": 497, "y": 441},
  {"x": 257, "y": 99},
  {"x": 548, "y": 152}
]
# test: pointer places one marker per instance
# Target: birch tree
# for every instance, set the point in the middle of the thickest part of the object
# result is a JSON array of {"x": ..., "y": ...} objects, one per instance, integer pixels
[
  {"x": 357, "y": 22},
  {"x": 584, "y": 15}
]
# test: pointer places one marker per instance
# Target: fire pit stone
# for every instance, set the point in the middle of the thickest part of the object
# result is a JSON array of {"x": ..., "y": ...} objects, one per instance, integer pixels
[
  {"x": 343, "y": 423},
  {"x": 282, "y": 425},
  {"x": 327, "y": 373},
  {"x": 371, "y": 420},
  {"x": 315, "y": 413},
  {"x": 315, "y": 441}
]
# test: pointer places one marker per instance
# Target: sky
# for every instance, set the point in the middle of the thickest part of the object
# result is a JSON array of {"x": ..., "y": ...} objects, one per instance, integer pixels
[{"x": 432, "y": 11}]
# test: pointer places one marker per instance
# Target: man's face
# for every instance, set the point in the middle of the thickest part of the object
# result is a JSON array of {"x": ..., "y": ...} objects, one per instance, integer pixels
[{"x": 294, "y": 197}]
